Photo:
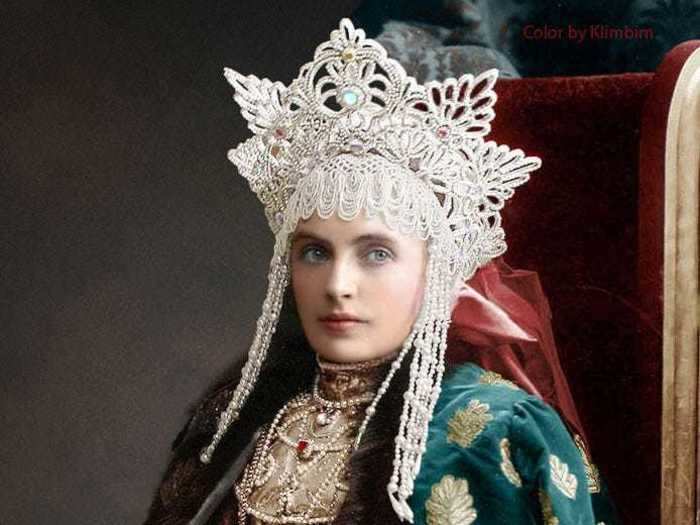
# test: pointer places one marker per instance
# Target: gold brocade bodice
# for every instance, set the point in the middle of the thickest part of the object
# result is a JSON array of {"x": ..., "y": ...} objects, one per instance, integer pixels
[{"x": 299, "y": 471}]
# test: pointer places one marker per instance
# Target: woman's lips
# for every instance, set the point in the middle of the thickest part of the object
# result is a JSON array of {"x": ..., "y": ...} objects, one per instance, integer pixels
[{"x": 339, "y": 326}]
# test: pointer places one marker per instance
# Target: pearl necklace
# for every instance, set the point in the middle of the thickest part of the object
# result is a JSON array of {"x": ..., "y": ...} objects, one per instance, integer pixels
[{"x": 309, "y": 442}]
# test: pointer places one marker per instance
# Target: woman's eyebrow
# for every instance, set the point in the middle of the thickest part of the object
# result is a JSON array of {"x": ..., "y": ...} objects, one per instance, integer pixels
[
  {"x": 374, "y": 237},
  {"x": 303, "y": 236},
  {"x": 367, "y": 237}
]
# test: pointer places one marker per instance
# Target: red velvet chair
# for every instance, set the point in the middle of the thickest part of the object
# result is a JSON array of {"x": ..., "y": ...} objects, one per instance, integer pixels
[{"x": 610, "y": 224}]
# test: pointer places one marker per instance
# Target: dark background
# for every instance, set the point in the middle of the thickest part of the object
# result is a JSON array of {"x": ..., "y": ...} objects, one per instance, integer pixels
[{"x": 133, "y": 258}]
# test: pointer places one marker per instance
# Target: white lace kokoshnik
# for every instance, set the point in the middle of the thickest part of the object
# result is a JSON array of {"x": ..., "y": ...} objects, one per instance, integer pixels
[{"x": 354, "y": 133}]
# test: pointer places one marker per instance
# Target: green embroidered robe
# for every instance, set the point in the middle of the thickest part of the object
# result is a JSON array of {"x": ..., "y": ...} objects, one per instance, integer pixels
[{"x": 497, "y": 455}]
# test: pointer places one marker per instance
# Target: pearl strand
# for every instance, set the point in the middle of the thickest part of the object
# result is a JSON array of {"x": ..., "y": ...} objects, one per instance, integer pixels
[
  {"x": 408, "y": 344},
  {"x": 266, "y": 325},
  {"x": 246, "y": 486},
  {"x": 432, "y": 375},
  {"x": 395, "y": 365},
  {"x": 424, "y": 392},
  {"x": 399, "y": 474}
]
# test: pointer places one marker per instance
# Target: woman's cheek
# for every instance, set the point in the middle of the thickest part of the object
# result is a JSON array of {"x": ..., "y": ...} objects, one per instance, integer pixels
[
  {"x": 394, "y": 292},
  {"x": 301, "y": 284}
]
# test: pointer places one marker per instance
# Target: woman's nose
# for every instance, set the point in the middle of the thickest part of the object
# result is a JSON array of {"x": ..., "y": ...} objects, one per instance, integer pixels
[{"x": 342, "y": 280}]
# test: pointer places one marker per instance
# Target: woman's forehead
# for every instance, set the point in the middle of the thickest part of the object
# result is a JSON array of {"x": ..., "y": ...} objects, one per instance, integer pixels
[{"x": 337, "y": 229}]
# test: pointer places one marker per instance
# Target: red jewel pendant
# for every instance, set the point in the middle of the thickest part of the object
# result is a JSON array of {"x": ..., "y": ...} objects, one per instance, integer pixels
[{"x": 302, "y": 445}]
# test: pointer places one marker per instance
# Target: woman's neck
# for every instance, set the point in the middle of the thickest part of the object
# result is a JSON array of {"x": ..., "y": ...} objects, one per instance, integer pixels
[{"x": 341, "y": 381}]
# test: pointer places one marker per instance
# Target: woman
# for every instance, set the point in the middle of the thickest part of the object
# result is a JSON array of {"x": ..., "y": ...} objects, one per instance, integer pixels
[{"x": 384, "y": 200}]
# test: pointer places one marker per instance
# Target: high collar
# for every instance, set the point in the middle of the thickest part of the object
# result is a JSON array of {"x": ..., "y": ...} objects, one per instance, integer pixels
[{"x": 342, "y": 381}]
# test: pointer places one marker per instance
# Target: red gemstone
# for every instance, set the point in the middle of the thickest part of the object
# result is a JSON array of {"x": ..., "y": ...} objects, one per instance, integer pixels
[
  {"x": 280, "y": 133},
  {"x": 301, "y": 445},
  {"x": 443, "y": 132}
]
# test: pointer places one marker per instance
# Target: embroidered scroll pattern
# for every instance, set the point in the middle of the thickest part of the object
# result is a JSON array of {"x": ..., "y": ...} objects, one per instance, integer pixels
[
  {"x": 561, "y": 477},
  {"x": 592, "y": 473},
  {"x": 507, "y": 466},
  {"x": 494, "y": 378},
  {"x": 547, "y": 512},
  {"x": 467, "y": 423},
  {"x": 450, "y": 503}
]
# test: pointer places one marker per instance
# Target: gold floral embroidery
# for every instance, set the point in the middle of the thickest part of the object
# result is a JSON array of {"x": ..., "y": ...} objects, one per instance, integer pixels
[
  {"x": 547, "y": 511},
  {"x": 592, "y": 473},
  {"x": 467, "y": 423},
  {"x": 450, "y": 503},
  {"x": 561, "y": 477},
  {"x": 507, "y": 466},
  {"x": 494, "y": 378}
]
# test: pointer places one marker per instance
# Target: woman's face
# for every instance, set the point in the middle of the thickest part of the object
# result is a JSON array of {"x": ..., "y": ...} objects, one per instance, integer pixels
[{"x": 361, "y": 271}]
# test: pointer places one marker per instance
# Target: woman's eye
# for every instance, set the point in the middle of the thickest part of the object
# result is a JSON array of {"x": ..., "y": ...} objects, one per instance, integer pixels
[
  {"x": 379, "y": 255},
  {"x": 313, "y": 254}
]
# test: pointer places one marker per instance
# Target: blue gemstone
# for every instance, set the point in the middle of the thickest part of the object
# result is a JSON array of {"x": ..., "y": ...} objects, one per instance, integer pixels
[{"x": 350, "y": 97}]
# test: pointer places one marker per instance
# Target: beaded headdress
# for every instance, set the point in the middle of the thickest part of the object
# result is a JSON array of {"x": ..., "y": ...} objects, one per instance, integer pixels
[{"x": 354, "y": 133}]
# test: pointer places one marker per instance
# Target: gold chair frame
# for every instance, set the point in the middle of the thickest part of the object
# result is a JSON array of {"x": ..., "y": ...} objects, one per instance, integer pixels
[{"x": 680, "y": 469}]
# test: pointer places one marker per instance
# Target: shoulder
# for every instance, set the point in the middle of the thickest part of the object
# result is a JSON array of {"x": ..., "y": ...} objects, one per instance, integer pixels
[
  {"x": 186, "y": 481},
  {"x": 478, "y": 408},
  {"x": 473, "y": 418},
  {"x": 202, "y": 414},
  {"x": 469, "y": 385},
  {"x": 469, "y": 376},
  {"x": 493, "y": 445}
]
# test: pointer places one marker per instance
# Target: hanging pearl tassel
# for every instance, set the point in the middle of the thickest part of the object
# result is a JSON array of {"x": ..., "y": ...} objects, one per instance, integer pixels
[
  {"x": 426, "y": 372},
  {"x": 265, "y": 327}
]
